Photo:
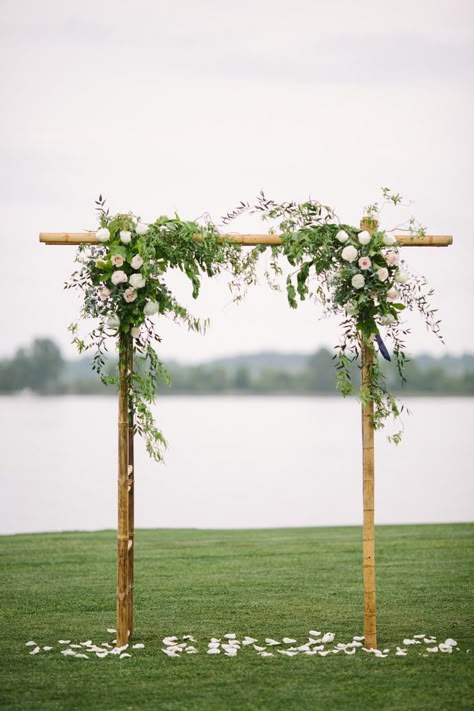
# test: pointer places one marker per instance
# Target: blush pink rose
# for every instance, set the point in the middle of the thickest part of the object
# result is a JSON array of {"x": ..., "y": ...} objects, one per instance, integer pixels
[
  {"x": 136, "y": 262},
  {"x": 391, "y": 258},
  {"x": 365, "y": 263},
  {"x": 119, "y": 277},
  {"x": 392, "y": 294},
  {"x": 129, "y": 295},
  {"x": 382, "y": 274},
  {"x": 117, "y": 260},
  {"x": 104, "y": 293}
]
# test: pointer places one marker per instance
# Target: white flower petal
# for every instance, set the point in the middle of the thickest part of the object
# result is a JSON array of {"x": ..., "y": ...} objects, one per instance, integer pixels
[
  {"x": 266, "y": 654},
  {"x": 81, "y": 656},
  {"x": 287, "y": 652},
  {"x": 111, "y": 630},
  {"x": 328, "y": 637},
  {"x": 432, "y": 649},
  {"x": 47, "y": 649},
  {"x": 69, "y": 652},
  {"x": 125, "y": 654},
  {"x": 214, "y": 651},
  {"x": 64, "y": 641},
  {"x": 349, "y": 651},
  {"x": 259, "y": 649},
  {"x": 451, "y": 642},
  {"x": 271, "y": 642},
  {"x": 30, "y": 644},
  {"x": 324, "y": 654},
  {"x": 230, "y": 635},
  {"x": 139, "y": 645},
  {"x": 249, "y": 640},
  {"x": 313, "y": 633},
  {"x": 288, "y": 640},
  {"x": 36, "y": 650}
]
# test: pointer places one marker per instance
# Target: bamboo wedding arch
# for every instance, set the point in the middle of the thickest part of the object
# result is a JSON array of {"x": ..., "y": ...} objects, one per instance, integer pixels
[{"x": 126, "y": 472}]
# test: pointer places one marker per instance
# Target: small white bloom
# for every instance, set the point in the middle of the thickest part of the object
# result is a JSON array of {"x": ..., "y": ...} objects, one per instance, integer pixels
[
  {"x": 119, "y": 277},
  {"x": 151, "y": 308},
  {"x": 349, "y": 253},
  {"x": 358, "y": 281},
  {"x": 401, "y": 277},
  {"x": 129, "y": 295},
  {"x": 137, "y": 262},
  {"x": 364, "y": 237},
  {"x": 342, "y": 236},
  {"x": 351, "y": 308},
  {"x": 141, "y": 228},
  {"x": 391, "y": 258},
  {"x": 388, "y": 240},
  {"x": 103, "y": 234},
  {"x": 125, "y": 236},
  {"x": 135, "y": 332},
  {"x": 382, "y": 274},
  {"x": 117, "y": 260},
  {"x": 137, "y": 281},
  {"x": 113, "y": 321},
  {"x": 392, "y": 294}
]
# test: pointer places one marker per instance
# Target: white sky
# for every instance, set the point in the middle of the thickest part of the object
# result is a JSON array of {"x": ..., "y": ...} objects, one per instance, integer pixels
[{"x": 196, "y": 105}]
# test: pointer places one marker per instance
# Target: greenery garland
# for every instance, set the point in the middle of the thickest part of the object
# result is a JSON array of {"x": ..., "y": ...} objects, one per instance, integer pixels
[
  {"x": 123, "y": 285},
  {"x": 354, "y": 273}
]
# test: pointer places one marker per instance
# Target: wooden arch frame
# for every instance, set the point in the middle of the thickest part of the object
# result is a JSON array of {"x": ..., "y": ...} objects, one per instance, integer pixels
[{"x": 126, "y": 472}]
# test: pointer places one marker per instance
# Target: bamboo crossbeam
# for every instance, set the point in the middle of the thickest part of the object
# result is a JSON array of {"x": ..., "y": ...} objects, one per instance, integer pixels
[{"x": 77, "y": 238}]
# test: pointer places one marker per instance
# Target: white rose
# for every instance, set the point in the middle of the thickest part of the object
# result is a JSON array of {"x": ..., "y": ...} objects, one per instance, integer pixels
[
  {"x": 388, "y": 240},
  {"x": 135, "y": 332},
  {"x": 119, "y": 277},
  {"x": 117, "y": 260},
  {"x": 103, "y": 234},
  {"x": 342, "y": 236},
  {"x": 137, "y": 281},
  {"x": 364, "y": 237},
  {"x": 125, "y": 236},
  {"x": 401, "y": 277},
  {"x": 104, "y": 293},
  {"x": 136, "y": 262},
  {"x": 349, "y": 253},
  {"x": 112, "y": 321},
  {"x": 358, "y": 281},
  {"x": 129, "y": 295},
  {"x": 151, "y": 308},
  {"x": 387, "y": 319},
  {"x": 141, "y": 228},
  {"x": 351, "y": 308}
]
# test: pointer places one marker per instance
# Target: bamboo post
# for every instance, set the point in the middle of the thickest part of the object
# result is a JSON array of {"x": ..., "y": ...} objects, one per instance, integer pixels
[
  {"x": 123, "y": 494},
  {"x": 131, "y": 505},
  {"x": 368, "y": 486}
]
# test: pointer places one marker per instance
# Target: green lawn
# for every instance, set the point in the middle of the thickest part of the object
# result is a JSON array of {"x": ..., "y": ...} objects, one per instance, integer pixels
[{"x": 271, "y": 583}]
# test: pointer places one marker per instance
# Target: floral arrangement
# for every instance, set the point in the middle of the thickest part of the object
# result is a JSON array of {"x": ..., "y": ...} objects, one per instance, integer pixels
[
  {"x": 123, "y": 283},
  {"x": 355, "y": 273}
]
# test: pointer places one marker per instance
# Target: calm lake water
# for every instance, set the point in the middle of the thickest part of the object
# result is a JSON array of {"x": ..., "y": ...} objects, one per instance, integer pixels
[{"x": 232, "y": 463}]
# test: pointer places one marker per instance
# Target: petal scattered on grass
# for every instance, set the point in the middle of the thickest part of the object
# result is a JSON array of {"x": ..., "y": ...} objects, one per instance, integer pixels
[
  {"x": 30, "y": 644},
  {"x": 124, "y": 655},
  {"x": 230, "y": 635},
  {"x": 36, "y": 650},
  {"x": 288, "y": 640},
  {"x": 259, "y": 649},
  {"x": 328, "y": 637},
  {"x": 139, "y": 645},
  {"x": 313, "y": 633},
  {"x": 249, "y": 640},
  {"x": 213, "y": 650},
  {"x": 47, "y": 649},
  {"x": 64, "y": 641},
  {"x": 111, "y": 630},
  {"x": 271, "y": 642}
]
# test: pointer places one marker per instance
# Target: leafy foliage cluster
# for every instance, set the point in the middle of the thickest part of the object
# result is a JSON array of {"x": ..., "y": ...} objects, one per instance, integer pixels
[
  {"x": 123, "y": 282},
  {"x": 354, "y": 273}
]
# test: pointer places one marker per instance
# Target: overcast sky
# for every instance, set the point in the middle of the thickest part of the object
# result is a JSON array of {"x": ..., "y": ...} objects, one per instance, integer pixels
[{"x": 195, "y": 105}]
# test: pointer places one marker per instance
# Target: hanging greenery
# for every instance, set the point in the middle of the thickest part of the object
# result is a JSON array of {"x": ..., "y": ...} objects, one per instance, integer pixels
[
  {"x": 356, "y": 274},
  {"x": 123, "y": 280}
]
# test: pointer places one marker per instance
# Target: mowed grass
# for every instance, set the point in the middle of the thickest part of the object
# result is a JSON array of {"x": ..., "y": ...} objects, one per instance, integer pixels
[{"x": 267, "y": 583}]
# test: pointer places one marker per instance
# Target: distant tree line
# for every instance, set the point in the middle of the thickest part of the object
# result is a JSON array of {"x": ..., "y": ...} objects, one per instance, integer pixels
[{"x": 42, "y": 369}]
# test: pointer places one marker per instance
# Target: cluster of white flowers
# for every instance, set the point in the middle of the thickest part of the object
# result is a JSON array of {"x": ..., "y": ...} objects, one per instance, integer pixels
[
  {"x": 358, "y": 281},
  {"x": 134, "y": 282}
]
